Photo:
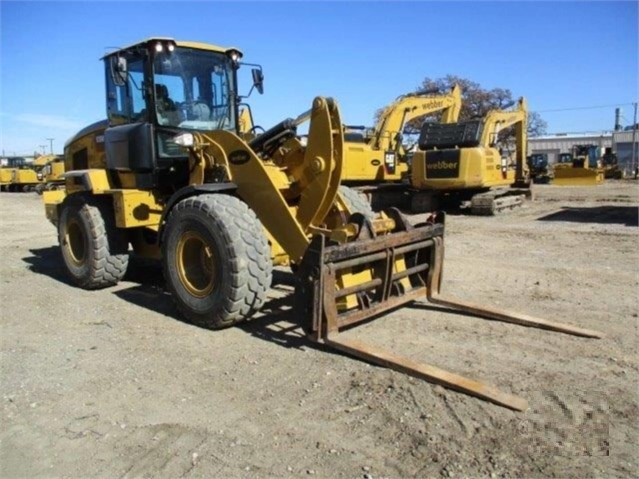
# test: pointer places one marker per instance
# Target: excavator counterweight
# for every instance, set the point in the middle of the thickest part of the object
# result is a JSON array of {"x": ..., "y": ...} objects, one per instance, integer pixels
[{"x": 458, "y": 165}]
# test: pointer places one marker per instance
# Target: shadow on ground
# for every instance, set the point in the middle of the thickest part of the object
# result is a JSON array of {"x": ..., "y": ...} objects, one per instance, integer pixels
[
  {"x": 276, "y": 321},
  {"x": 625, "y": 215},
  {"x": 47, "y": 261}
]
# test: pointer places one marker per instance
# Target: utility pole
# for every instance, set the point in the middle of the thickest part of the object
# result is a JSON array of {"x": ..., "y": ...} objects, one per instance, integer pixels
[
  {"x": 635, "y": 162},
  {"x": 51, "y": 144}
]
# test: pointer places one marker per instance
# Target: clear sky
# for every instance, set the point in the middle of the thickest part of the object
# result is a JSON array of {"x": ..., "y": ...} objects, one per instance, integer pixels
[{"x": 559, "y": 55}]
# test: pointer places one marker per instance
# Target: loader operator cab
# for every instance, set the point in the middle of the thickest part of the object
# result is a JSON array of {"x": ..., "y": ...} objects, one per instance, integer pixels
[{"x": 158, "y": 89}]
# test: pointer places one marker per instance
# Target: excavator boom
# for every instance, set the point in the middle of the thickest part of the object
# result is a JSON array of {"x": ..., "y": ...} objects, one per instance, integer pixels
[{"x": 411, "y": 106}]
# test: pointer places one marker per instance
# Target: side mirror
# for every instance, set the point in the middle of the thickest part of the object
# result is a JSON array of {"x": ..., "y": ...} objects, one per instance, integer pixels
[
  {"x": 119, "y": 70},
  {"x": 258, "y": 80}
]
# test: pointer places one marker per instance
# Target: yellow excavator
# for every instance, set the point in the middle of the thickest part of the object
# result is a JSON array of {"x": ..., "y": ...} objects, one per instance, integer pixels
[
  {"x": 459, "y": 165},
  {"x": 376, "y": 155},
  {"x": 375, "y": 161},
  {"x": 169, "y": 175},
  {"x": 583, "y": 169}
]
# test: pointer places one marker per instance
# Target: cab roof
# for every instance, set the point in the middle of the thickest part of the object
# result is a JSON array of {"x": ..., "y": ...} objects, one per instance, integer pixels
[{"x": 179, "y": 43}]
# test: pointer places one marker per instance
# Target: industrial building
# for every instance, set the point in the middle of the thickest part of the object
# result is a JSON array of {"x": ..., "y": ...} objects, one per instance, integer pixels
[{"x": 621, "y": 143}]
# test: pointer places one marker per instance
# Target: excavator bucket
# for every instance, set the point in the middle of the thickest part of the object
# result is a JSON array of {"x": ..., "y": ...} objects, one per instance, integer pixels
[
  {"x": 578, "y": 177},
  {"x": 385, "y": 272}
]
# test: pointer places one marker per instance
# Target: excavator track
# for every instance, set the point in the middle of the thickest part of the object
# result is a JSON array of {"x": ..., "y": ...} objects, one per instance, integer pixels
[{"x": 496, "y": 201}]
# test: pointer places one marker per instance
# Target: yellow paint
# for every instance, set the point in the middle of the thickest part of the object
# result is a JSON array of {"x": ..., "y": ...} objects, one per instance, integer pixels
[
  {"x": 365, "y": 161},
  {"x": 135, "y": 208},
  {"x": 6, "y": 174},
  {"x": 52, "y": 200},
  {"x": 578, "y": 176}
]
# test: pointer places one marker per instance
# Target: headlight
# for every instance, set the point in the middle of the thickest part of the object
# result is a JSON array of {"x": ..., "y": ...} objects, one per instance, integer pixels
[{"x": 184, "y": 139}]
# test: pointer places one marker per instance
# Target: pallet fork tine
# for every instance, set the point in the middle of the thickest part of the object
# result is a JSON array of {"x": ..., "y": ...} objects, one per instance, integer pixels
[
  {"x": 425, "y": 244},
  {"x": 433, "y": 296}
]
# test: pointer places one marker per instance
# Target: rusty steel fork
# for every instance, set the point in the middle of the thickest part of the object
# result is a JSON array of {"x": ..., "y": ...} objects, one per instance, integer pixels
[{"x": 421, "y": 249}]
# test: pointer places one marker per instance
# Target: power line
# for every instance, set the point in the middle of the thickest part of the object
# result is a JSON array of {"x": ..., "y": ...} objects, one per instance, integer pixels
[{"x": 584, "y": 107}]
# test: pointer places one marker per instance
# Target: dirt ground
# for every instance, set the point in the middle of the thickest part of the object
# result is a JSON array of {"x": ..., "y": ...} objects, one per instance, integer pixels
[{"x": 112, "y": 383}]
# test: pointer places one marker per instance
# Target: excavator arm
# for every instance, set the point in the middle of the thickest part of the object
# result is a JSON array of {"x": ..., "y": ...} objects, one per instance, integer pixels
[
  {"x": 496, "y": 121},
  {"x": 411, "y": 106}
]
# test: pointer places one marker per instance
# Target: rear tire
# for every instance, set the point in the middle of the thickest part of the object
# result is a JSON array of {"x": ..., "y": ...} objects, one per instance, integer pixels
[
  {"x": 94, "y": 251},
  {"x": 216, "y": 260}
]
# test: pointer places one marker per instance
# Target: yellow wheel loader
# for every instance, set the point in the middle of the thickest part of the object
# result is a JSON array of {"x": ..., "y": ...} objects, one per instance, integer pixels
[
  {"x": 458, "y": 165},
  {"x": 375, "y": 161},
  {"x": 169, "y": 174},
  {"x": 580, "y": 168}
]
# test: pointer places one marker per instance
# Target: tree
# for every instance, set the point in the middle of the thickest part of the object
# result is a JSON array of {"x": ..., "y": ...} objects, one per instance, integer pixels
[
  {"x": 476, "y": 102},
  {"x": 537, "y": 126}
]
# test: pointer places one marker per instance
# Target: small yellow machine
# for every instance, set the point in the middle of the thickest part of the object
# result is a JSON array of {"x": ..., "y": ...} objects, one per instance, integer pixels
[
  {"x": 610, "y": 164},
  {"x": 51, "y": 176},
  {"x": 9, "y": 165},
  {"x": 27, "y": 179},
  {"x": 459, "y": 164},
  {"x": 584, "y": 169},
  {"x": 169, "y": 174}
]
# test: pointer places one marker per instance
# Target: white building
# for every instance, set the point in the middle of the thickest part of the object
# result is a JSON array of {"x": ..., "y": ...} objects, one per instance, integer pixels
[
  {"x": 622, "y": 145},
  {"x": 619, "y": 141},
  {"x": 552, "y": 145}
]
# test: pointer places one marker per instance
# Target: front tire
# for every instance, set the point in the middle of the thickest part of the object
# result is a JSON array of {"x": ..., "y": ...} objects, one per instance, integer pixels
[
  {"x": 216, "y": 260},
  {"x": 356, "y": 202},
  {"x": 93, "y": 249}
]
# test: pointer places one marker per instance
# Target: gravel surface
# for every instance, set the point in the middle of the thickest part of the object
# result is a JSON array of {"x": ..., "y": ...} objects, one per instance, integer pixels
[{"x": 112, "y": 383}]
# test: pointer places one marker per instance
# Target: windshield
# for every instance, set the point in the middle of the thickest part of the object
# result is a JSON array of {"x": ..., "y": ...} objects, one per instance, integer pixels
[{"x": 194, "y": 89}]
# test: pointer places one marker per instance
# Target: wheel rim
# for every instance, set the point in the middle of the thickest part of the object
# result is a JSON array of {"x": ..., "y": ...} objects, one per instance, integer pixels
[
  {"x": 195, "y": 264},
  {"x": 75, "y": 242}
]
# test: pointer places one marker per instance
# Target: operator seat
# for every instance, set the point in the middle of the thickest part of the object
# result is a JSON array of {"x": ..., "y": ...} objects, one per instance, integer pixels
[
  {"x": 166, "y": 109},
  {"x": 201, "y": 111}
]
